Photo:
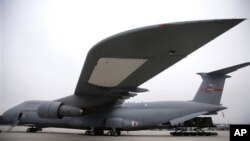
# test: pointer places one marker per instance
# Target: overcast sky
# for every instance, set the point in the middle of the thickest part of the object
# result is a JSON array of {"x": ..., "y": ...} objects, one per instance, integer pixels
[{"x": 43, "y": 45}]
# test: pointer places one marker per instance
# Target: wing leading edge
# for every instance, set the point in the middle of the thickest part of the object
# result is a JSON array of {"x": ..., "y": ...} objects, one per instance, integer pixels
[{"x": 116, "y": 66}]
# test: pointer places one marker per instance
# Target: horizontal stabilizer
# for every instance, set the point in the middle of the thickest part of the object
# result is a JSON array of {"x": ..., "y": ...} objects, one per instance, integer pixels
[{"x": 229, "y": 69}]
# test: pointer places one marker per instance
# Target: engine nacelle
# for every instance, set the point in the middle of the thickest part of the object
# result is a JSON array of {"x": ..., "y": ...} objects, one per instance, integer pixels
[{"x": 57, "y": 110}]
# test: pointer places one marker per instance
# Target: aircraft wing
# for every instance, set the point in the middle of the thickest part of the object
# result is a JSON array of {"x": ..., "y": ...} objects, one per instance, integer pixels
[{"x": 116, "y": 66}]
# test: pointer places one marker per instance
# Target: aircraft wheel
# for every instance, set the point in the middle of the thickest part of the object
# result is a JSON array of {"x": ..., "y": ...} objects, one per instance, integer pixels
[
  {"x": 87, "y": 132},
  {"x": 109, "y": 133},
  {"x": 115, "y": 133},
  {"x": 31, "y": 130},
  {"x": 119, "y": 133},
  {"x": 92, "y": 133}
]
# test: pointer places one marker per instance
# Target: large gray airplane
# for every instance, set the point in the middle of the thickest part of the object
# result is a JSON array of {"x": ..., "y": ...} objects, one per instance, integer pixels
[{"x": 113, "y": 70}]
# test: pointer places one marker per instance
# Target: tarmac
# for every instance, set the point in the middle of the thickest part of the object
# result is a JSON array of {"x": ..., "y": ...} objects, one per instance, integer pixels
[{"x": 55, "y": 134}]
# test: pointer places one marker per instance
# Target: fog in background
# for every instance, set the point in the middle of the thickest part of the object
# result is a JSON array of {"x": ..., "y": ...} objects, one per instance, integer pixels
[{"x": 44, "y": 43}]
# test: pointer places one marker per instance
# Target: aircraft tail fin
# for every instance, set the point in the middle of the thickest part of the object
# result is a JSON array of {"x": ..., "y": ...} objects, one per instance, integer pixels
[{"x": 211, "y": 88}]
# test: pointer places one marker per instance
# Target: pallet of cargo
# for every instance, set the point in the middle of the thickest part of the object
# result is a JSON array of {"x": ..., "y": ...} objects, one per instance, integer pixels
[
  {"x": 194, "y": 127},
  {"x": 193, "y": 133}
]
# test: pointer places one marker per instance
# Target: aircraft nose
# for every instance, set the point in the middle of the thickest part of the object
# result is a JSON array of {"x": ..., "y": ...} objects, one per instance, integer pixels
[
  {"x": 1, "y": 120},
  {"x": 6, "y": 117}
]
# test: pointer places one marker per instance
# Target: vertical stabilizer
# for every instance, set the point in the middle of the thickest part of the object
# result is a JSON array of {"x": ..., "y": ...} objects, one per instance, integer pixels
[{"x": 211, "y": 88}]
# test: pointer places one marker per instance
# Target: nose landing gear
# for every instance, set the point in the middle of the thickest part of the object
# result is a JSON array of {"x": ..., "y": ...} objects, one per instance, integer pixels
[{"x": 33, "y": 129}]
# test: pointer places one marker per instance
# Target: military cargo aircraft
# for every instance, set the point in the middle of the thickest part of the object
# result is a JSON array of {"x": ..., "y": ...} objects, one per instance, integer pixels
[{"x": 113, "y": 71}]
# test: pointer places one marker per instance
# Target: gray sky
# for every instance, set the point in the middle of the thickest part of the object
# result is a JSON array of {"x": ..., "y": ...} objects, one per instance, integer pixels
[{"x": 43, "y": 45}]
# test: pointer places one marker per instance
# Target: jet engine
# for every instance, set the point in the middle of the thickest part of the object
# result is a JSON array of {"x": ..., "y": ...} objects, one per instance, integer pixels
[{"x": 57, "y": 110}]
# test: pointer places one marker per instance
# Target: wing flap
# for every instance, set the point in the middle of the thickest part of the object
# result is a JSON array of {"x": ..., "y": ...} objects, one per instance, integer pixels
[{"x": 110, "y": 72}]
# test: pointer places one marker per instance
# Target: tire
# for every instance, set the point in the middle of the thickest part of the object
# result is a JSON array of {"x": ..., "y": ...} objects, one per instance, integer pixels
[
  {"x": 28, "y": 130},
  {"x": 119, "y": 133},
  {"x": 87, "y": 132},
  {"x": 109, "y": 133},
  {"x": 115, "y": 133},
  {"x": 31, "y": 130}
]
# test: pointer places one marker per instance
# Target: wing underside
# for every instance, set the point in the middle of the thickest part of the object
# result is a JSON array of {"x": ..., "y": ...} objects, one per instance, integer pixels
[{"x": 116, "y": 66}]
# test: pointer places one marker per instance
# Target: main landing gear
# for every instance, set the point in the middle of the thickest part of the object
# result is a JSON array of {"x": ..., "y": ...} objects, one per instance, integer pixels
[
  {"x": 94, "y": 132},
  {"x": 114, "y": 133}
]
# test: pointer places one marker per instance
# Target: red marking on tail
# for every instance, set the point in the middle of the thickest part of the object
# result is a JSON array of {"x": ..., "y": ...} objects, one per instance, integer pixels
[
  {"x": 162, "y": 25},
  {"x": 208, "y": 90}
]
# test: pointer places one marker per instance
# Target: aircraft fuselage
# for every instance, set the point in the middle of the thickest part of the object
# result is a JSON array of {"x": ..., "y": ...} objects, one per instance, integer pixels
[{"x": 128, "y": 116}]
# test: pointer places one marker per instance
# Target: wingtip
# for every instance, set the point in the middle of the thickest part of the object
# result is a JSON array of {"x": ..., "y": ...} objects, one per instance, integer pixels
[
  {"x": 247, "y": 63},
  {"x": 238, "y": 20},
  {"x": 232, "y": 21},
  {"x": 244, "y": 64}
]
